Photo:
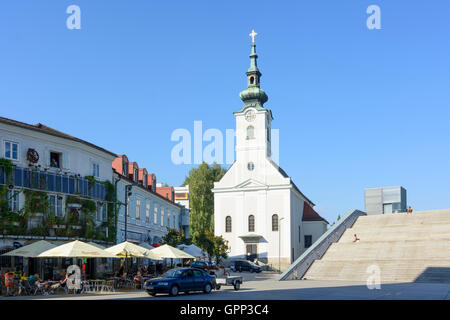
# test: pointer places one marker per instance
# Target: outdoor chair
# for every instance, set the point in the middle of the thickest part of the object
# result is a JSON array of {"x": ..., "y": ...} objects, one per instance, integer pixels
[
  {"x": 24, "y": 288},
  {"x": 37, "y": 289}
]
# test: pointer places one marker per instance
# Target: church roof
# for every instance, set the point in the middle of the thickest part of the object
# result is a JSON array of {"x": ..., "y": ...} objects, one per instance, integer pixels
[
  {"x": 284, "y": 174},
  {"x": 309, "y": 214}
]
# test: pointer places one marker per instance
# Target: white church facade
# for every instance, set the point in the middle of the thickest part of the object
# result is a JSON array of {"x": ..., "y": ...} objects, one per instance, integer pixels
[{"x": 257, "y": 207}]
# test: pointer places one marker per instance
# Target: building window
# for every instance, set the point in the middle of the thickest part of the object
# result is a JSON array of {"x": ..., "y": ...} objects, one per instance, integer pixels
[
  {"x": 125, "y": 168},
  {"x": 105, "y": 212},
  {"x": 169, "y": 224},
  {"x": 144, "y": 180},
  {"x": 11, "y": 150},
  {"x": 136, "y": 175},
  {"x": 275, "y": 222},
  {"x": 228, "y": 224},
  {"x": 250, "y": 166},
  {"x": 155, "y": 215},
  {"x": 56, "y": 205},
  {"x": 99, "y": 211},
  {"x": 55, "y": 159},
  {"x": 251, "y": 223},
  {"x": 138, "y": 209},
  {"x": 96, "y": 170},
  {"x": 13, "y": 200},
  {"x": 162, "y": 217},
  {"x": 147, "y": 212},
  {"x": 308, "y": 241},
  {"x": 250, "y": 133}
]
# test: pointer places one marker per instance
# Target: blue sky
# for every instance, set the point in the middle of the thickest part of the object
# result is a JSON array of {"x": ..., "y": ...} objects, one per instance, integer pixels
[{"x": 356, "y": 108}]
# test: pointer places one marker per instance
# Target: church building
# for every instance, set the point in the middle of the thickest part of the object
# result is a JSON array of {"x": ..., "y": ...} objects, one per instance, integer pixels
[{"x": 258, "y": 209}]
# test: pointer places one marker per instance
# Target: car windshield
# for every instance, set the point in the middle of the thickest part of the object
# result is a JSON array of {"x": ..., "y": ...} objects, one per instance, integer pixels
[{"x": 174, "y": 273}]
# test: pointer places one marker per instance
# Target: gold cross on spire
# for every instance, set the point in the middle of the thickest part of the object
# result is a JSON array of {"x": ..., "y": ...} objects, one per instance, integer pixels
[{"x": 253, "y": 35}]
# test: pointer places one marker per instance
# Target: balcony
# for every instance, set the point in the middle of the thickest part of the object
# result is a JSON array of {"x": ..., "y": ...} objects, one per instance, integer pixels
[{"x": 53, "y": 182}]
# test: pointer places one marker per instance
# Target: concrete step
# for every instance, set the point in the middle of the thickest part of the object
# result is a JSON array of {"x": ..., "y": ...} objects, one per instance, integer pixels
[
  {"x": 390, "y": 271},
  {"x": 405, "y": 248}
]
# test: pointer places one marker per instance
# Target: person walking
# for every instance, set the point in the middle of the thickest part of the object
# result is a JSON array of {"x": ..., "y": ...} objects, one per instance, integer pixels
[
  {"x": 355, "y": 238},
  {"x": 410, "y": 209}
]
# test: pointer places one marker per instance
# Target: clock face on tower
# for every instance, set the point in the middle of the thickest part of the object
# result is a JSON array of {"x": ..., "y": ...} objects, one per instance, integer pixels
[{"x": 250, "y": 115}]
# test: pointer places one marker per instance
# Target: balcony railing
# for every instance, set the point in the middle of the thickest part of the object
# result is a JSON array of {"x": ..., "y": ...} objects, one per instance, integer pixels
[{"x": 53, "y": 182}]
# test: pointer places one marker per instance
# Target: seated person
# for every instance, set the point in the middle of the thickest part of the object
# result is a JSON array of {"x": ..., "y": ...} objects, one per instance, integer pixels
[
  {"x": 62, "y": 281},
  {"x": 32, "y": 278},
  {"x": 138, "y": 280},
  {"x": 44, "y": 286}
]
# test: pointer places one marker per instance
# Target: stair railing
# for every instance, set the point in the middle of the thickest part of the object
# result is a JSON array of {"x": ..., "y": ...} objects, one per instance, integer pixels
[{"x": 316, "y": 251}]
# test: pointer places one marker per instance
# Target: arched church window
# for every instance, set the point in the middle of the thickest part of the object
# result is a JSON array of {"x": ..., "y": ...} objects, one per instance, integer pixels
[
  {"x": 251, "y": 223},
  {"x": 250, "y": 132},
  {"x": 275, "y": 222},
  {"x": 228, "y": 224},
  {"x": 252, "y": 80}
]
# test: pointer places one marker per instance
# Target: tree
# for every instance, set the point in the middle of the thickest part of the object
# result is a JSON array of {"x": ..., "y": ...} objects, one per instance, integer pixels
[
  {"x": 174, "y": 238},
  {"x": 215, "y": 246},
  {"x": 201, "y": 181}
]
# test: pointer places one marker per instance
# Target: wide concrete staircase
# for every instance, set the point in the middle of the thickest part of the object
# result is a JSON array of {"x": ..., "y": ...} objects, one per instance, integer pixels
[{"x": 405, "y": 248}]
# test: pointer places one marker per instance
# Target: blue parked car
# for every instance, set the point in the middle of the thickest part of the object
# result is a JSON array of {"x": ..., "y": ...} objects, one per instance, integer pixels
[{"x": 181, "y": 280}]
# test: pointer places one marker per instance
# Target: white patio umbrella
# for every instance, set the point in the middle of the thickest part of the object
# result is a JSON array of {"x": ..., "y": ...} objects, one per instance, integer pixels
[
  {"x": 31, "y": 250},
  {"x": 193, "y": 250},
  {"x": 166, "y": 251},
  {"x": 129, "y": 250},
  {"x": 76, "y": 249}
]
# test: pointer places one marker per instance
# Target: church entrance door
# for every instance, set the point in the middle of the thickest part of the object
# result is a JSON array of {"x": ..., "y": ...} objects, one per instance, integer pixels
[{"x": 252, "y": 252}]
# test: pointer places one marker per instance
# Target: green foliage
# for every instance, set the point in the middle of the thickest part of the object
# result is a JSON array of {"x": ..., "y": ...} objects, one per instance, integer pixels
[
  {"x": 7, "y": 166},
  {"x": 201, "y": 199},
  {"x": 174, "y": 238},
  {"x": 215, "y": 246},
  {"x": 35, "y": 202}
]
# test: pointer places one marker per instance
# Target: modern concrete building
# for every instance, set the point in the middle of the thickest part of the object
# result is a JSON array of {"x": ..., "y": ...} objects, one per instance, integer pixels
[{"x": 385, "y": 200}]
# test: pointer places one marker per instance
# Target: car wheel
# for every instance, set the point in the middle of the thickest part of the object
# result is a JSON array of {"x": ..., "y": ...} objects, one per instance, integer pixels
[
  {"x": 207, "y": 288},
  {"x": 174, "y": 291},
  {"x": 217, "y": 286},
  {"x": 237, "y": 285},
  {"x": 152, "y": 294}
]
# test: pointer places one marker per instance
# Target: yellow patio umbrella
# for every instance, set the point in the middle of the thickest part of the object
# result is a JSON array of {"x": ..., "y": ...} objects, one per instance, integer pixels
[
  {"x": 31, "y": 250},
  {"x": 130, "y": 250},
  {"x": 76, "y": 249},
  {"x": 166, "y": 251}
]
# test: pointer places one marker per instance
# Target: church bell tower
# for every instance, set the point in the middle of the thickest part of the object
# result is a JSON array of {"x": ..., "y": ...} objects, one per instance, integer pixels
[{"x": 253, "y": 121}]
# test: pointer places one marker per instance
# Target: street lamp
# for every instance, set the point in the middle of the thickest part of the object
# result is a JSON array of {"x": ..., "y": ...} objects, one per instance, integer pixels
[
  {"x": 279, "y": 244},
  {"x": 128, "y": 193}
]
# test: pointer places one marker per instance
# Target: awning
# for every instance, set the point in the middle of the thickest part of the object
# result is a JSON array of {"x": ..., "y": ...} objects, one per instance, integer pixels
[{"x": 251, "y": 236}]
